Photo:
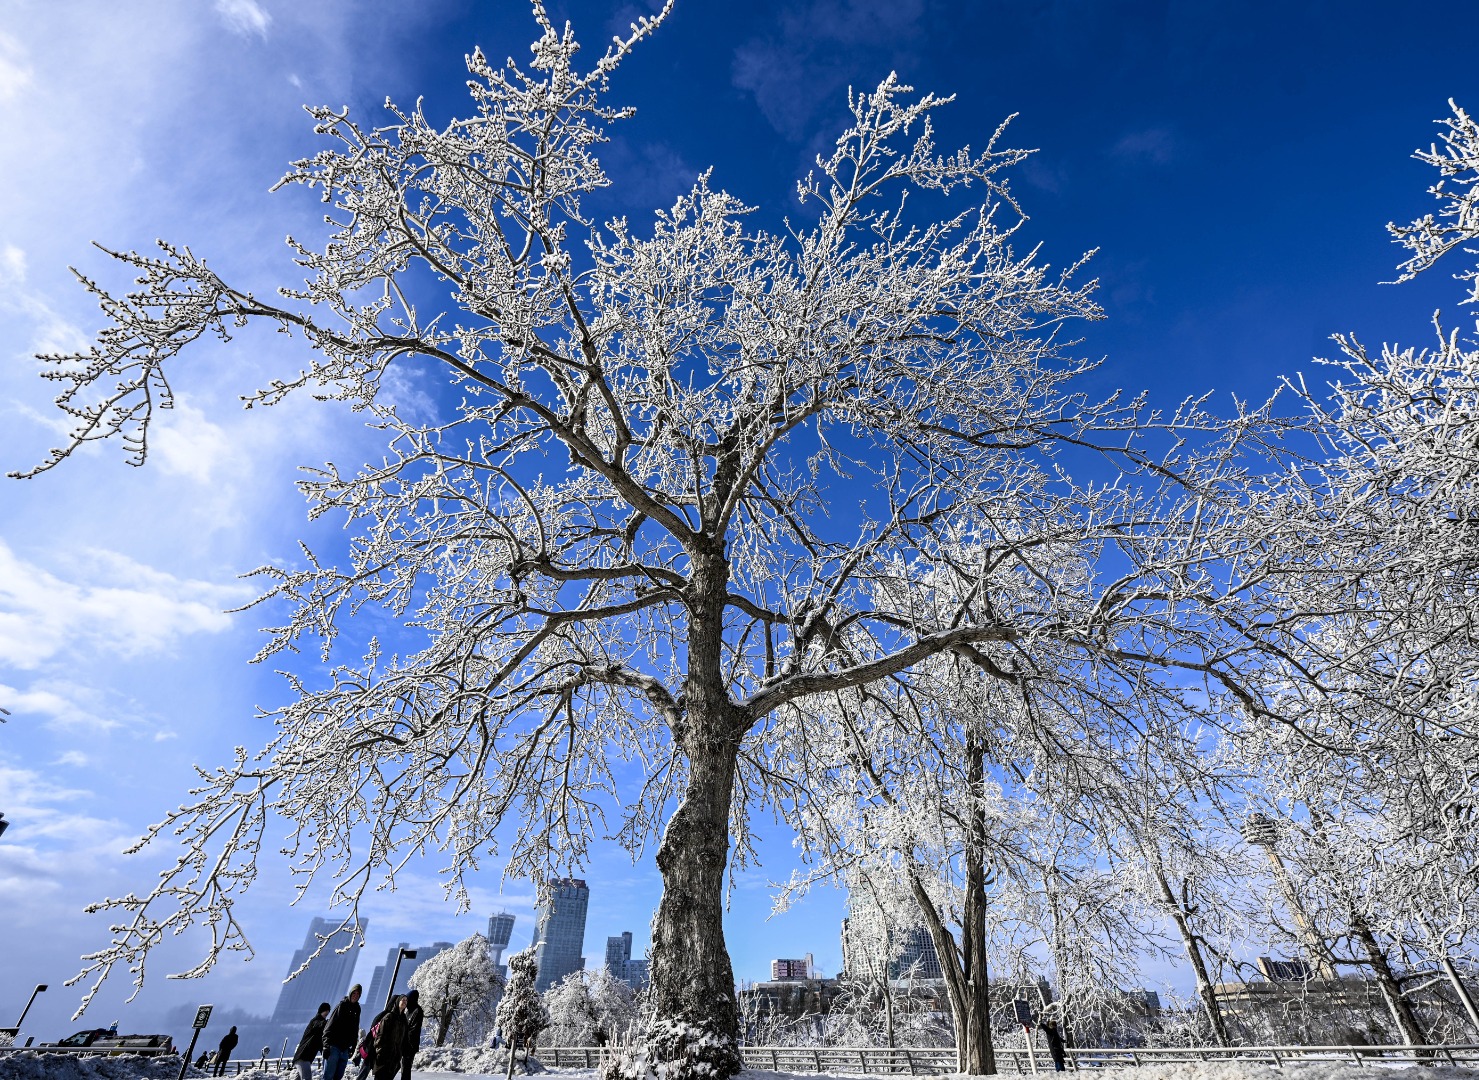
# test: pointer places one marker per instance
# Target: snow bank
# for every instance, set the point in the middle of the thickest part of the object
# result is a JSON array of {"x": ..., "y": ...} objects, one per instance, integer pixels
[
  {"x": 472, "y": 1059},
  {"x": 29, "y": 1065}
]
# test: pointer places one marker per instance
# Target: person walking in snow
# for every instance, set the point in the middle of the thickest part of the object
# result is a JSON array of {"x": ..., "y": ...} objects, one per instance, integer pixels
[
  {"x": 414, "y": 1016},
  {"x": 365, "y": 1054},
  {"x": 340, "y": 1034},
  {"x": 223, "y": 1052},
  {"x": 311, "y": 1042},
  {"x": 390, "y": 1040},
  {"x": 1055, "y": 1042}
]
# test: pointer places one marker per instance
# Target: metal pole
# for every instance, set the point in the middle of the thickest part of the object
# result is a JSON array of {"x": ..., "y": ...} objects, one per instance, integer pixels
[
  {"x": 189, "y": 1054},
  {"x": 39, "y": 988},
  {"x": 404, "y": 954},
  {"x": 1462, "y": 991}
]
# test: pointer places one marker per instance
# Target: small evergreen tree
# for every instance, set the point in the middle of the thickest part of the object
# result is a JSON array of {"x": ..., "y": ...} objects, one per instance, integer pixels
[{"x": 521, "y": 1013}]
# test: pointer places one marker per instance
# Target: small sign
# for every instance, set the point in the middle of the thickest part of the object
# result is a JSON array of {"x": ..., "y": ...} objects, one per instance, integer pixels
[
  {"x": 203, "y": 1016},
  {"x": 1024, "y": 1013}
]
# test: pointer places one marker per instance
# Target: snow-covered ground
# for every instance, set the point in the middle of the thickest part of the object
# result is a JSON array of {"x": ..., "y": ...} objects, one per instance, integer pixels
[{"x": 443, "y": 1065}]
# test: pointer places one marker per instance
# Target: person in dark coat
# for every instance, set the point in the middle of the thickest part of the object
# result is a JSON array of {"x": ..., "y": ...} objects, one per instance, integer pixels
[
  {"x": 390, "y": 1040},
  {"x": 414, "y": 1016},
  {"x": 365, "y": 1054},
  {"x": 311, "y": 1042},
  {"x": 1055, "y": 1042},
  {"x": 223, "y": 1052},
  {"x": 340, "y": 1034}
]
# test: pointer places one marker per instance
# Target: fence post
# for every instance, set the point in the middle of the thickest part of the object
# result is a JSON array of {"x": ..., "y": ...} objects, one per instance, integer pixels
[{"x": 817, "y": 1056}]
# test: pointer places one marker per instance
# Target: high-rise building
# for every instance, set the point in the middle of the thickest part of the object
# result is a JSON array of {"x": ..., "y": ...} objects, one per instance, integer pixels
[
  {"x": 635, "y": 973},
  {"x": 559, "y": 931},
  {"x": 915, "y": 955},
  {"x": 326, "y": 978},
  {"x": 374, "y": 1001},
  {"x": 619, "y": 953}
]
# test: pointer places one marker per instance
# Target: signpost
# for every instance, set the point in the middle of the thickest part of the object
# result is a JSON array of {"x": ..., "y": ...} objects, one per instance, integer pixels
[
  {"x": 202, "y": 1018},
  {"x": 1024, "y": 1017}
]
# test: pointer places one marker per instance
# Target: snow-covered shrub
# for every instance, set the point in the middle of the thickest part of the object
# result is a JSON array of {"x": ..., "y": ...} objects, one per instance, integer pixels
[
  {"x": 589, "y": 1008},
  {"x": 674, "y": 1050}
]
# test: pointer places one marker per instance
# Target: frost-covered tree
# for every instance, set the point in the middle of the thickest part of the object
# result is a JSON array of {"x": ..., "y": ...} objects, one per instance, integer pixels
[
  {"x": 521, "y": 1014},
  {"x": 458, "y": 987},
  {"x": 1370, "y": 570},
  {"x": 589, "y": 1008},
  {"x": 970, "y": 794},
  {"x": 692, "y": 476}
]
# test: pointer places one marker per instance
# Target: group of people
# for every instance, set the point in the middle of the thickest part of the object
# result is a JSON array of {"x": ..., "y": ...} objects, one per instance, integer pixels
[{"x": 386, "y": 1047}]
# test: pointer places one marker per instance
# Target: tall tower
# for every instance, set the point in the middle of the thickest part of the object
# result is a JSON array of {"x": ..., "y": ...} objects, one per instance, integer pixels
[
  {"x": 559, "y": 931},
  {"x": 500, "y": 930},
  {"x": 326, "y": 978}
]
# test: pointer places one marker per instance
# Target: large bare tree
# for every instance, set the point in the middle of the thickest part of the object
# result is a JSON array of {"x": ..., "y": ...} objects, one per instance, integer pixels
[{"x": 698, "y": 474}]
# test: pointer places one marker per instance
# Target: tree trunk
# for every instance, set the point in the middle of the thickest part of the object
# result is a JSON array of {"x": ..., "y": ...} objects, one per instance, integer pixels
[
  {"x": 1386, "y": 981},
  {"x": 1194, "y": 954},
  {"x": 964, "y": 965},
  {"x": 979, "y": 1055},
  {"x": 692, "y": 979},
  {"x": 888, "y": 1009}
]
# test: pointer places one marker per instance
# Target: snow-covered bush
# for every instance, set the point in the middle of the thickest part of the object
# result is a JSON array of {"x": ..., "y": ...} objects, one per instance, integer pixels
[
  {"x": 589, "y": 1008},
  {"x": 673, "y": 1050},
  {"x": 458, "y": 987}
]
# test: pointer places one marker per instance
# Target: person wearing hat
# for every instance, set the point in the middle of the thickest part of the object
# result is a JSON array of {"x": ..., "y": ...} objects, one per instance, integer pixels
[
  {"x": 412, "y": 1040},
  {"x": 311, "y": 1042}
]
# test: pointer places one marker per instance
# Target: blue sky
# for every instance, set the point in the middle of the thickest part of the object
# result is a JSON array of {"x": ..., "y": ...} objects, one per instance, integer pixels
[{"x": 1233, "y": 163}]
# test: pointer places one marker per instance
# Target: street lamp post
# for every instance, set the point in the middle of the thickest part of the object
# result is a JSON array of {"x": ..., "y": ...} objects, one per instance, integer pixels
[
  {"x": 404, "y": 954},
  {"x": 40, "y": 987}
]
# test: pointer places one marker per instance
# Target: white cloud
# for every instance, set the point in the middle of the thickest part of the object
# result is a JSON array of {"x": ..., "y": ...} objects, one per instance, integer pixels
[
  {"x": 67, "y": 706},
  {"x": 244, "y": 17},
  {"x": 15, "y": 73},
  {"x": 12, "y": 265},
  {"x": 74, "y": 758},
  {"x": 114, "y": 604},
  {"x": 185, "y": 443}
]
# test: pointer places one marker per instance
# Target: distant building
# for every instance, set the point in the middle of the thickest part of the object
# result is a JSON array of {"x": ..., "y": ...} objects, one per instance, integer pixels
[
  {"x": 915, "y": 956},
  {"x": 326, "y": 977},
  {"x": 791, "y": 970},
  {"x": 559, "y": 931},
  {"x": 635, "y": 973},
  {"x": 374, "y": 1001},
  {"x": 789, "y": 999}
]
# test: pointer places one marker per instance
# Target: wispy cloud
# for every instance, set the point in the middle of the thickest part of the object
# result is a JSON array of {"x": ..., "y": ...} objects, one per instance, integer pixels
[
  {"x": 816, "y": 48},
  {"x": 15, "y": 72},
  {"x": 112, "y": 603},
  {"x": 1153, "y": 146},
  {"x": 245, "y": 17}
]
